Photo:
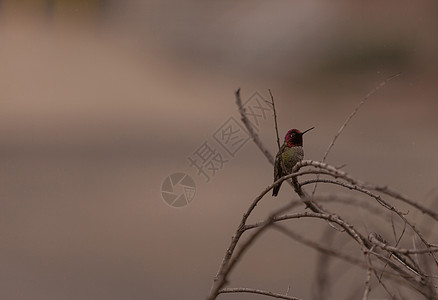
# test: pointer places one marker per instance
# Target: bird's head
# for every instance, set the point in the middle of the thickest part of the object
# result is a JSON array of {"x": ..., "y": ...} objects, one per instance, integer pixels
[{"x": 294, "y": 137}]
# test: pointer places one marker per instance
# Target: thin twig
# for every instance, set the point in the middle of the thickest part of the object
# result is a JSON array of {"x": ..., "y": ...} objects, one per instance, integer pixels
[
  {"x": 255, "y": 291},
  {"x": 393, "y": 228},
  {"x": 416, "y": 283},
  {"x": 397, "y": 240},
  {"x": 322, "y": 278},
  {"x": 275, "y": 119},
  {"x": 368, "y": 277},
  {"x": 374, "y": 90},
  {"x": 379, "y": 278},
  {"x": 279, "y": 155},
  {"x": 393, "y": 193}
]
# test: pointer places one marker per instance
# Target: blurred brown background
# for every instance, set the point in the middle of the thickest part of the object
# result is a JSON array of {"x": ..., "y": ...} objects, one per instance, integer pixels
[{"x": 101, "y": 100}]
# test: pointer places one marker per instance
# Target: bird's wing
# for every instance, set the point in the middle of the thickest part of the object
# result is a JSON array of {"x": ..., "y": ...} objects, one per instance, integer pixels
[
  {"x": 278, "y": 167},
  {"x": 278, "y": 170}
]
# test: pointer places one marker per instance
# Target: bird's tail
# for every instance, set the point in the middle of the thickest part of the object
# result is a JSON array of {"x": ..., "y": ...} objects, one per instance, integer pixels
[{"x": 276, "y": 189}]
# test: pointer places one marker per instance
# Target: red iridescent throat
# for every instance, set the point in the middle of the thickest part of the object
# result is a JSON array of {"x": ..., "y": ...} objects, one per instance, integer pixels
[{"x": 294, "y": 138}]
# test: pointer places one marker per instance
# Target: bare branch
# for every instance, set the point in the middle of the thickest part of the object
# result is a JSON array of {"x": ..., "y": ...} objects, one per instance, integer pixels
[
  {"x": 352, "y": 187},
  {"x": 399, "y": 196},
  {"x": 329, "y": 217},
  {"x": 368, "y": 278},
  {"x": 364, "y": 188},
  {"x": 374, "y": 239},
  {"x": 402, "y": 269},
  {"x": 219, "y": 280},
  {"x": 251, "y": 131},
  {"x": 384, "y": 189}
]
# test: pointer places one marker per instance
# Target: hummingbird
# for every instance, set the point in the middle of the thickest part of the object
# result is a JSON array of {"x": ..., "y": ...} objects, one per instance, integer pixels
[{"x": 291, "y": 152}]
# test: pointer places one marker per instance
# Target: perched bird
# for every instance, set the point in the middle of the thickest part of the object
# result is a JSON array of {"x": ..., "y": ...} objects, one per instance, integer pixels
[{"x": 290, "y": 152}]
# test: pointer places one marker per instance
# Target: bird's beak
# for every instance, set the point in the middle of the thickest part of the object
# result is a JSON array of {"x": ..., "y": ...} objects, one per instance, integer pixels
[{"x": 308, "y": 130}]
